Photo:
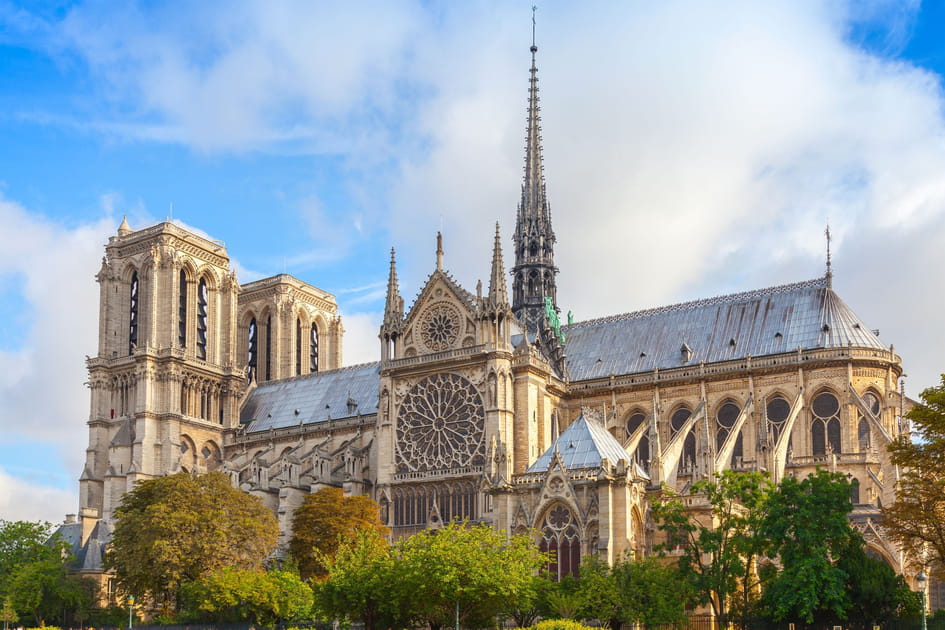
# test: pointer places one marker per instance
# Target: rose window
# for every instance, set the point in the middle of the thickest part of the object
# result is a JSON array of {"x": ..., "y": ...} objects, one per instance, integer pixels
[
  {"x": 440, "y": 425},
  {"x": 440, "y": 327}
]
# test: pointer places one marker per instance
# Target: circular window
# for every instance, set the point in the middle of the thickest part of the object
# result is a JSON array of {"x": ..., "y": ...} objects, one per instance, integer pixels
[
  {"x": 825, "y": 405},
  {"x": 679, "y": 418},
  {"x": 440, "y": 327},
  {"x": 728, "y": 414},
  {"x": 440, "y": 425},
  {"x": 778, "y": 409}
]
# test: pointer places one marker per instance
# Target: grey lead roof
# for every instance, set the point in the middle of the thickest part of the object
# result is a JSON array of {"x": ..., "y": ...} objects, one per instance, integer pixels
[
  {"x": 779, "y": 319},
  {"x": 317, "y": 397},
  {"x": 582, "y": 445}
]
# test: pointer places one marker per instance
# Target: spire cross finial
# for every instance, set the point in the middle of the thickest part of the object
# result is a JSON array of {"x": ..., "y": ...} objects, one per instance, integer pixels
[
  {"x": 827, "y": 235},
  {"x": 534, "y": 9}
]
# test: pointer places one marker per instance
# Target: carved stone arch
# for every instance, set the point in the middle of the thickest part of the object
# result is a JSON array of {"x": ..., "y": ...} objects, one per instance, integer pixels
[
  {"x": 562, "y": 534},
  {"x": 129, "y": 269},
  {"x": 210, "y": 457},
  {"x": 636, "y": 532},
  {"x": 188, "y": 454},
  {"x": 210, "y": 275},
  {"x": 187, "y": 265}
]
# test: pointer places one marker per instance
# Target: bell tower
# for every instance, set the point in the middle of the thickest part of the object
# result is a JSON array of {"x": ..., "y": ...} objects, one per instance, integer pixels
[{"x": 166, "y": 382}]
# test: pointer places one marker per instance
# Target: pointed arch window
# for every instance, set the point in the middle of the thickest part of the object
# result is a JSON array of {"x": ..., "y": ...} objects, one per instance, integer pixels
[
  {"x": 560, "y": 539},
  {"x": 642, "y": 454},
  {"x": 726, "y": 417},
  {"x": 133, "y": 301},
  {"x": 269, "y": 348},
  {"x": 182, "y": 309},
  {"x": 313, "y": 348},
  {"x": 298, "y": 346},
  {"x": 253, "y": 350},
  {"x": 687, "y": 459},
  {"x": 855, "y": 491},
  {"x": 203, "y": 301},
  {"x": 825, "y": 424},
  {"x": 777, "y": 411}
]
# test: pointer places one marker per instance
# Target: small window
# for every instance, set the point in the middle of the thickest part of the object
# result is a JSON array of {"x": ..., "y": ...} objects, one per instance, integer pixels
[
  {"x": 203, "y": 300},
  {"x": 182, "y": 310},
  {"x": 133, "y": 314},
  {"x": 253, "y": 350}
]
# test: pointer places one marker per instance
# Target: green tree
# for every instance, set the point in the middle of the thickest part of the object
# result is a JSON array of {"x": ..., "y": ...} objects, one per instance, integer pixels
[
  {"x": 655, "y": 594},
  {"x": 807, "y": 523},
  {"x": 323, "y": 518},
  {"x": 877, "y": 594},
  {"x": 235, "y": 595},
  {"x": 599, "y": 592},
  {"x": 360, "y": 583},
  {"x": 23, "y": 542},
  {"x": 176, "y": 529},
  {"x": 915, "y": 519},
  {"x": 474, "y": 573},
  {"x": 720, "y": 545},
  {"x": 8, "y": 613}
]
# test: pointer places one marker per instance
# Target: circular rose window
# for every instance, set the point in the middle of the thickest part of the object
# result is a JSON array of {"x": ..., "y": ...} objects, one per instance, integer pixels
[
  {"x": 440, "y": 327},
  {"x": 440, "y": 425}
]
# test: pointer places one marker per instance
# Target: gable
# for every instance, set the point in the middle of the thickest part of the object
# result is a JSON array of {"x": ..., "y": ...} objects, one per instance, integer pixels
[{"x": 442, "y": 318}]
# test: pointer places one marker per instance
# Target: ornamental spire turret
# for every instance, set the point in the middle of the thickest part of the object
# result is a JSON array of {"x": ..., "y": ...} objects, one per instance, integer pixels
[
  {"x": 392, "y": 326},
  {"x": 534, "y": 271},
  {"x": 498, "y": 293}
]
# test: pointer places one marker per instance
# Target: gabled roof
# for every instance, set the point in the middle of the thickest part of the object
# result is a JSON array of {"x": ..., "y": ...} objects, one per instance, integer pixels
[
  {"x": 769, "y": 321},
  {"x": 582, "y": 445},
  {"x": 317, "y": 397}
]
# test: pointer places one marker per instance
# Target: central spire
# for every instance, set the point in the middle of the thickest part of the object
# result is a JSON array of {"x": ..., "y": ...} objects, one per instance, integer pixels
[{"x": 534, "y": 271}]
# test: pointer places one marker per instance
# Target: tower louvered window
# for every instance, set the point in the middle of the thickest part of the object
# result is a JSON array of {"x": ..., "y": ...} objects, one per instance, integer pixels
[
  {"x": 182, "y": 310},
  {"x": 269, "y": 348},
  {"x": 298, "y": 347},
  {"x": 203, "y": 300},
  {"x": 253, "y": 351},
  {"x": 313, "y": 349},
  {"x": 133, "y": 314}
]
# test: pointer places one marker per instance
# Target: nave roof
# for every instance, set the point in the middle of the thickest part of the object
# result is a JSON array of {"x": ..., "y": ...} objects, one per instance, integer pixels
[{"x": 806, "y": 315}]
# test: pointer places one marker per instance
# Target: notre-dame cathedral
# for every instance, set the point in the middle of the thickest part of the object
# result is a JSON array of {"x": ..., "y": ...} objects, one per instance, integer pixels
[{"x": 488, "y": 405}]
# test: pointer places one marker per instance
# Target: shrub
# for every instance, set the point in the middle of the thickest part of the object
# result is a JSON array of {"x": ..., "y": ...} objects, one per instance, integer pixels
[{"x": 560, "y": 624}]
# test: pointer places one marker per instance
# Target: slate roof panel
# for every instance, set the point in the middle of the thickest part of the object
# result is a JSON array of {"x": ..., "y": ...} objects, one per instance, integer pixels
[
  {"x": 317, "y": 397},
  {"x": 582, "y": 445},
  {"x": 779, "y": 319}
]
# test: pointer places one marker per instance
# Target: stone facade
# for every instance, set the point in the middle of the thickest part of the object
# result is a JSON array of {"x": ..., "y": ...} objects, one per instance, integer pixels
[{"x": 479, "y": 407}]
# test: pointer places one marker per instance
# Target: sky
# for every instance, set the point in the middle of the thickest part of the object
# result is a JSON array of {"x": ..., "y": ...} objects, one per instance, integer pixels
[{"x": 691, "y": 149}]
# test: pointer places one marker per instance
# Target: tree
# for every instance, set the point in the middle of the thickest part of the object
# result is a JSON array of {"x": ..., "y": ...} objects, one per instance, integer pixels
[
  {"x": 176, "y": 529},
  {"x": 23, "y": 542},
  {"x": 718, "y": 550},
  {"x": 915, "y": 520},
  {"x": 235, "y": 595},
  {"x": 473, "y": 573},
  {"x": 323, "y": 517},
  {"x": 656, "y": 595},
  {"x": 806, "y": 521},
  {"x": 877, "y": 594},
  {"x": 360, "y": 583},
  {"x": 600, "y": 593}
]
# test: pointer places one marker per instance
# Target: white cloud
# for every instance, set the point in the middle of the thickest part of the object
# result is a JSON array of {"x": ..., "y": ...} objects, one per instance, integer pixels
[
  {"x": 691, "y": 148},
  {"x": 42, "y": 394},
  {"x": 22, "y": 500},
  {"x": 361, "y": 344}
]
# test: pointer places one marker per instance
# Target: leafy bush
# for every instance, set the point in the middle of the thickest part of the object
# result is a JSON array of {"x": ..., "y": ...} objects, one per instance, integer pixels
[{"x": 560, "y": 624}]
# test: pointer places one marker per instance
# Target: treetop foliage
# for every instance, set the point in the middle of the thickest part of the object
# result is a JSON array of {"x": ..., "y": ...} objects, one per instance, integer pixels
[
  {"x": 176, "y": 529},
  {"x": 915, "y": 519},
  {"x": 323, "y": 518}
]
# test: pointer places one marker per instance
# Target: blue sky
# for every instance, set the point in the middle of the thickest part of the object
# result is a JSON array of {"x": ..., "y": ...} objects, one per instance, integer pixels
[{"x": 691, "y": 149}]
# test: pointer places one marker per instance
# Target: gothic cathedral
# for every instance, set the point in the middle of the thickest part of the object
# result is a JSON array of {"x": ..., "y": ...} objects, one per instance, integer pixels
[{"x": 483, "y": 405}]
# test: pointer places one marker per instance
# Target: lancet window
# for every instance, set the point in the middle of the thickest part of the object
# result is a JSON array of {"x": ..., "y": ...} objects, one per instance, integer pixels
[
  {"x": 253, "y": 349},
  {"x": 313, "y": 348},
  {"x": 203, "y": 301},
  {"x": 133, "y": 304},
  {"x": 777, "y": 411},
  {"x": 725, "y": 418},
  {"x": 269, "y": 348},
  {"x": 560, "y": 538},
  {"x": 413, "y": 505},
  {"x": 298, "y": 346},
  {"x": 642, "y": 454},
  {"x": 825, "y": 424},
  {"x": 687, "y": 460},
  {"x": 182, "y": 309}
]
